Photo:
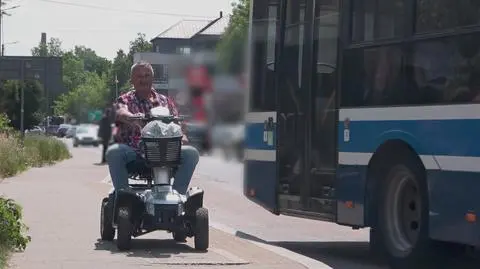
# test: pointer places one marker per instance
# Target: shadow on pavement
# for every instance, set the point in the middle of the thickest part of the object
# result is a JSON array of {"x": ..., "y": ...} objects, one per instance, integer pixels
[
  {"x": 354, "y": 255},
  {"x": 337, "y": 255},
  {"x": 147, "y": 248}
]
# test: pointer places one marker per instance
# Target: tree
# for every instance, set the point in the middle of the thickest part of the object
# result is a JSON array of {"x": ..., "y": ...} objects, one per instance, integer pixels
[
  {"x": 139, "y": 44},
  {"x": 89, "y": 78},
  {"x": 52, "y": 48},
  {"x": 73, "y": 71},
  {"x": 121, "y": 69},
  {"x": 85, "y": 76},
  {"x": 91, "y": 95},
  {"x": 10, "y": 93},
  {"x": 231, "y": 48},
  {"x": 91, "y": 61}
]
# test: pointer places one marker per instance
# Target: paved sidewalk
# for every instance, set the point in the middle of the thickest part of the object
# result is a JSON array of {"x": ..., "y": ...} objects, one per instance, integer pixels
[{"x": 61, "y": 207}]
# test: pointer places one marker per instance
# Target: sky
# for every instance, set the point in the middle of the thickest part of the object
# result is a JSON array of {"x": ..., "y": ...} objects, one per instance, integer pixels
[{"x": 105, "y": 26}]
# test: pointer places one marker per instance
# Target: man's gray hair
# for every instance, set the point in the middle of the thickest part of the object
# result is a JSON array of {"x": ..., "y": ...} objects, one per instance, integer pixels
[{"x": 141, "y": 64}]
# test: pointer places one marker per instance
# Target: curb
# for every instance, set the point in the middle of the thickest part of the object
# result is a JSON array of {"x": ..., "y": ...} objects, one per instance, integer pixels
[{"x": 301, "y": 259}]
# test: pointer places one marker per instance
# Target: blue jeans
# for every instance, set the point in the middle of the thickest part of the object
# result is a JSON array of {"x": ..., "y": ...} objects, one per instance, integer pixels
[{"x": 119, "y": 155}]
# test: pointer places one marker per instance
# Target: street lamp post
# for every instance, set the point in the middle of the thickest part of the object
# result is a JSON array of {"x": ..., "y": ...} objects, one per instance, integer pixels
[
  {"x": 8, "y": 43},
  {"x": 25, "y": 65},
  {"x": 4, "y": 13}
]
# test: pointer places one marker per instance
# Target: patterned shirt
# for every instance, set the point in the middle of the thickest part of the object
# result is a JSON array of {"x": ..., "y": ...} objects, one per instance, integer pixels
[{"x": 129, "y": 135}]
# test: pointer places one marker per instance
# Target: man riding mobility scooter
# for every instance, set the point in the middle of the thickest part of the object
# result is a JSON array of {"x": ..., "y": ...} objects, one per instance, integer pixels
[{"x": 155, "y": 205}]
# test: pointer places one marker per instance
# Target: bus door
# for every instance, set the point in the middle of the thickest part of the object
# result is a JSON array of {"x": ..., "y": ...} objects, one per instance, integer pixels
[
  {"x": 306, "y": 109},
  {"x": 260, "y": 158},
  {"x": 291, "y": 104},
  {"x": 322, "y": 127}
]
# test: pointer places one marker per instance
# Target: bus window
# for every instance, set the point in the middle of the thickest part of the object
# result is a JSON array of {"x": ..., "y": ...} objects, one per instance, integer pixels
[
  {"x": 430, "y": 72},
  {"x": 373, "y": 20},
  {"x": 264, "y": 32},
  {"x": 375, "y": 77},
  {"x": 446, "y": 70},
  {"x": 434, "y": 15}
]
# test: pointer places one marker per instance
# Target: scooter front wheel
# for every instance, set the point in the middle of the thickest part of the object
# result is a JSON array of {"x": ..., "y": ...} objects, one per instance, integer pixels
[
  {"x": 201, "y": 229},
  {"x": 124, "y": 229}
]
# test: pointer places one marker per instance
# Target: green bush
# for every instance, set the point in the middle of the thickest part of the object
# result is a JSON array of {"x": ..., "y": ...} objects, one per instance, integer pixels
[
  {"x": 41, "y": 150},
  {"x": 3, "y": 256},
  {"x": 12, "y": 229},
  {"x": 36, "y": 151},
  {"x": 12, "y": 157},
  {"x": 5, "y": 127}
]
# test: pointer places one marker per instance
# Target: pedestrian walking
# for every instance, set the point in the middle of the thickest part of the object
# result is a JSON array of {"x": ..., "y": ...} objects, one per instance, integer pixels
[{"x": 105, "y": 132}]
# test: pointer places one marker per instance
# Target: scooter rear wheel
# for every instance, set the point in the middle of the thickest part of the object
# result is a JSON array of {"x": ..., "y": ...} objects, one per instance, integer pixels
[
  {"x": 201, "y": 229},
  {"x": 124, "y": 229}
]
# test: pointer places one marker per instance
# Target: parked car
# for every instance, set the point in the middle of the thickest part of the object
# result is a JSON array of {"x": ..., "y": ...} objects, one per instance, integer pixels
[
  {"x": 71, "y": 132},
  {"x": 62, "y": 129},
  {"x": 51, "y": 129},
  {"x": 35, "y": 130},
  {"x": 86, "y": 134}
]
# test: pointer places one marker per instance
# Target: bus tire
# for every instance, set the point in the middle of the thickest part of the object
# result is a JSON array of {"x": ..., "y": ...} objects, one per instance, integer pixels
[
  {"x": 377, "y": 249},
  {"x": 403, "y": 212}
]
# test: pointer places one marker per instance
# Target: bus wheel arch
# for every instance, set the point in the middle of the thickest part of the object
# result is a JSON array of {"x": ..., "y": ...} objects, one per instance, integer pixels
[
  {"x": 394, "y": 172},
  {"x": 376, "y": 168}
]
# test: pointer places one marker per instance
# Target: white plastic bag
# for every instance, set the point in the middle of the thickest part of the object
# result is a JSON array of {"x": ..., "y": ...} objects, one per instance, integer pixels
[{"x": 159, "y": 129}]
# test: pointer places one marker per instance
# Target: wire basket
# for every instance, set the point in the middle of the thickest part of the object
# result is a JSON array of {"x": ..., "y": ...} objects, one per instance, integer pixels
[{"x": 163, "y": 151}]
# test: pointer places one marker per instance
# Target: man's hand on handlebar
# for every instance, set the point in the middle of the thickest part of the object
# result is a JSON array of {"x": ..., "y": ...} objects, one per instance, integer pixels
[{"x": 184, "y": 140}]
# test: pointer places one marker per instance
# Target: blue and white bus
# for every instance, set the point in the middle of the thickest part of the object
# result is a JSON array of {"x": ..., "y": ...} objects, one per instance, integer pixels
[{"x": 366, "y": 113}]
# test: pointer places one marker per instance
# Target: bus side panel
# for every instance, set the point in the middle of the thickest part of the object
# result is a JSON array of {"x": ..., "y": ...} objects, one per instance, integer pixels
[
  {"x": 448, "y": 148},
  {"x": 260, "y": 167},
  {"x": 260, "y": 185},
  {"x": 350, "y": 192},
  {"x": 350, "y": 186},
  {"x": 453, "y": 195}
]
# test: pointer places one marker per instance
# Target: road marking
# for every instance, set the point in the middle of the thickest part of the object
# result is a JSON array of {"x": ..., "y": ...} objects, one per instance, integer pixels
[
  {"x": 107, "y": 179},
  {"x": 303, "y": 260}
]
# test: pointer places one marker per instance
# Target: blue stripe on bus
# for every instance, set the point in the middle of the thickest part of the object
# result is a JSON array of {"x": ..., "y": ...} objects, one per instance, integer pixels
[
  {"x": 254, "y": 137},
  {"x": 427, "y": 137}
]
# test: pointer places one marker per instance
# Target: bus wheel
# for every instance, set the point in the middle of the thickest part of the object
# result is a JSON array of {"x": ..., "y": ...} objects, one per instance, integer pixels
[
  {"x": 403, "y": 213},
  {"x": 377, "y": 249}
]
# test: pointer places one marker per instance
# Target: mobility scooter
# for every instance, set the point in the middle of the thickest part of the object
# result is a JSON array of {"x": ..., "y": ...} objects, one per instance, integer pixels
[{"x": 155, "y": 205}]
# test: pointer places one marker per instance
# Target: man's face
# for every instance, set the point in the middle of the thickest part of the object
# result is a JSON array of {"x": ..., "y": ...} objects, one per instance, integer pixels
[{"x": 142, "y": 78}]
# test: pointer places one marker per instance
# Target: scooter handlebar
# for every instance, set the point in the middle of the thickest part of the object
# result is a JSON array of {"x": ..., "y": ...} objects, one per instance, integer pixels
[{"x": 166, "y": 119}]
